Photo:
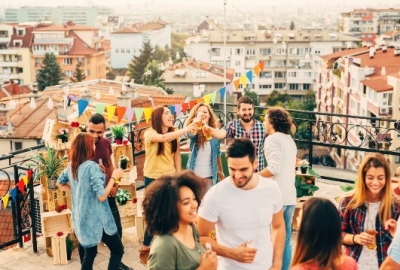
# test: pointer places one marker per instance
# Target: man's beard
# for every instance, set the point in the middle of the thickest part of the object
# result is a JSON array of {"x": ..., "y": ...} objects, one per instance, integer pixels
[{"x": 247, "y": 120}]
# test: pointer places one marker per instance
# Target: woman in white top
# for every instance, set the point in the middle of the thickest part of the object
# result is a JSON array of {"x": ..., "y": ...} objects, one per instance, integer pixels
[
  {"x": 364, "y": 211},
  {"x": 205, "y": 156}
]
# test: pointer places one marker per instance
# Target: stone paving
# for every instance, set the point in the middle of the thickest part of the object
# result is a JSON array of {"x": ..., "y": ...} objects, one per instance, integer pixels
[{"x": 24, "y": 258}]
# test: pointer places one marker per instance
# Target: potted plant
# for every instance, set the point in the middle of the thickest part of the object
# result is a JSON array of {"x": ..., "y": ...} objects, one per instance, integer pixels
[
  {"x": 63, "y": 134},
  {"x": 305, "y": 184},
  {"x": 70, "y": 247},
  {"x": 122, "y": 196},
  {"x": 123, "y": 162},
  {"x": 118, "y": 132},
  {"x": 304, "y": 165},
  {"x": 50, "y": 165}
]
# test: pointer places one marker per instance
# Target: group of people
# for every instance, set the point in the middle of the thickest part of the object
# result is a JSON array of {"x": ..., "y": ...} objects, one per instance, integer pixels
[{"x": 245, "y": 218}]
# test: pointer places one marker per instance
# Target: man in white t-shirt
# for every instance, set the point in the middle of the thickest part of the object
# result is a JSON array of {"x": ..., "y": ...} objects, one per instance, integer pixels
[
  {"x": 280, "y": 152},
  {"x": 392, "y": 261},
  {"x": 243, "y": 208}
]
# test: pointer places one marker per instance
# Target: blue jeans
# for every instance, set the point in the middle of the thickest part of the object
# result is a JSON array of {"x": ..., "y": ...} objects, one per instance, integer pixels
[
  {"x": 288, "y": 211},
  {"x": 147, "y": 238}
]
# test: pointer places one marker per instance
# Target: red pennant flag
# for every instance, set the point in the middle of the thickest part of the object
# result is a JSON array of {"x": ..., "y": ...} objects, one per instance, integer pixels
[
  {"x": 120, "y": 113},
  {"x": 21, "y": 186},
  {"x": 261, "y": 65},
  {"x": 184, "y": 107},
  {"x": 192, "y": 103},
  {"x": 29, "y": 173}
]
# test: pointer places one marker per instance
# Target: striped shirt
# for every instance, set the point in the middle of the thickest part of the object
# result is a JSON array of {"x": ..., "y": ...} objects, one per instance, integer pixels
[{"x": 257, "y": 135}]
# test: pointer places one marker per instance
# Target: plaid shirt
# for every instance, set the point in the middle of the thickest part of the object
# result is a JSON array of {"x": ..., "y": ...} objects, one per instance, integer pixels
[
  {"x": 353, "y": 223},
  {"x": 257, "y": 135}
]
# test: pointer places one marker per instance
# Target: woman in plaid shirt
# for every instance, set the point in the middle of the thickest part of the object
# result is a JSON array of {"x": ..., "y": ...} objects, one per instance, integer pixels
[{"x": 368, "y": 207}]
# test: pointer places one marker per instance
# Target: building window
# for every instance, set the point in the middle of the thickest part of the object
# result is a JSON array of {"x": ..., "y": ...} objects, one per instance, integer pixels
[
  {"x": 250, "y": 52},
  {"x": 293, "y": 86},
  {"x": 238, "y": 51},
  {"x": 68, "y": 73},
  {"x": 17, "y": 146},
  {"x": 67, "y": 61},
  {"x": 265, "y": 74},
  {"x": 398, "y": 157},
  {"x": 128, "y": 51},
  {"x": 116, "y": 50},
  {"x": 88, "y": 72},
  {"x": 292, "y": 74},
  {"x": 306, "y": 86},
  {"x": 279, "y": 85},
  {"x": 265, "y": 51},
  {"x": 279, "y": 74},
  {"x": 238, "y": 74},
  {"x": 122, "y": 51},
  {"x": 237, "y": 63},
  {"x": 20, "y": 32},
  {"x": 265, "y": 86}
]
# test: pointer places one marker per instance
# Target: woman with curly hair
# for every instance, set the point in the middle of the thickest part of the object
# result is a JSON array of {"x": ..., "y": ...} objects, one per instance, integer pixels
[
  {"x": 205, "y": 155},
  {"x": 170, "y": 210},
  {"x": 319, "y": 239},
  {"x": 162, "y": 156},
  {"x": 364, "y": 211},
  {"x": 280, "y": 152}
]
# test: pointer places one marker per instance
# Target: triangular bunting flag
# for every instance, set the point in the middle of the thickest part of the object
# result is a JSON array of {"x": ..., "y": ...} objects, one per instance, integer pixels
[
  {"x": 207, "y": 98},
  {"x": 243, "y": 80},
  {"x": 236, "y": 84},
  {"x": 261, "y": 64},
  {"x": 29, "y": 173},
  {"x": 25, "y": 179},
  {"x": 21, "y": 186},
  {"x": 222, "y": 93},
  {"x": 120, "y": 113},
  {"x": 82, "y": 104},
  {"x": 100, "y": 108},
  {"x": 172, "y": 109},
  {"x": 249, "y": 75},
  {"x": 129, "y": 114},
  {"x": 192, "y": 103},
  {"x": 139, "y": 114},
  {"x": 110, "y": 111},
  {"x": 184, "y": 107},
  {"x": 199, "y": 100},
  {"x": 13, "y": 193},
  {"x": 256, "y": 70},
  {"x": 178, "y": 109},
  {"x": 213, "y": 97},
  {"x": 5, "y": 200},
  {"x": 230, "y": 88},
  {"x": 147, "y": 114}
]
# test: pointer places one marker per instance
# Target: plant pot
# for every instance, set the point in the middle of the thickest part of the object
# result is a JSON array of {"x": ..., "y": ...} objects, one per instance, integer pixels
[
  {"x": 69, "y": 253},
  {"x": 51, "y": 184},
  {"x": 124, "y": 164},
  {"x": 64, "y": 139},
  {"x": 118, "y": 141},
  {"x": 303, "y": 170}
]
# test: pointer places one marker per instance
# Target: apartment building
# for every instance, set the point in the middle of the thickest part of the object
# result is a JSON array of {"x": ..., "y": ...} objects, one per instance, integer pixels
[
  {"x": 127, "y": 42},
  {"x": 367, "y": 24},
  {"x": 72, "y": 45},
  {"x": 15, "y": 42},
  {"x": 361, "y": 82},
  {"x": 289, "y": 55},
  {"x": 83, "y": 15},
  {"x": 109, "y": 24}
]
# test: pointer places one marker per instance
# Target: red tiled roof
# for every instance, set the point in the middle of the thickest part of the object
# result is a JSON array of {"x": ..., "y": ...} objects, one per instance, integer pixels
[
  {"x": 26, "y": 39},
  {"x": 169, "y": 100},
  {"x": 14, "y": 89},
  {"x": 126, "y": 30},
  {"x": 80, "y": 47},
  {"x": 141, "y": 27},
  {"x": 378, "y": 84},
  {"x": 64, "y": 27},
  {"x": 348, "y": 52}
]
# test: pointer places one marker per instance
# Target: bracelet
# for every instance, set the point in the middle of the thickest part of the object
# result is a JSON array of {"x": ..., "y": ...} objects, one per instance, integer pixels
[
  {"x": 115, "y": 180},
  {"x": 354, "y": 242}
]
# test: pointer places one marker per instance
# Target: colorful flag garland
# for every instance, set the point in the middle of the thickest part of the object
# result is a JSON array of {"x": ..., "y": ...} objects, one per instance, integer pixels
[{"x": 21, "y": 186}]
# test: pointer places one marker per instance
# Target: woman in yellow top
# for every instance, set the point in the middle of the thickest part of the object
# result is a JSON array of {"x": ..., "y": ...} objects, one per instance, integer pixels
[{"x": 162, "y": 155}]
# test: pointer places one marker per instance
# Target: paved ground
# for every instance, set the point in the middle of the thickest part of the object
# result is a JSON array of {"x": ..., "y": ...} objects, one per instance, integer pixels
[{"x": 24, "y": 258}]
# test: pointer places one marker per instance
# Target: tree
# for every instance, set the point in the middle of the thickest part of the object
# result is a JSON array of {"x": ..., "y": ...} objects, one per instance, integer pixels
[
  {"x": 276, "y": 98},
  {"x": 137, "y": 66},
  {"x": 292, "y": 25},
  {"x": 79, "y": 74},
  {"x": 160, "y": 54},
  {"x": 110, "y": 75},
  {"x": 50, "y": 72},
  {"x": 153, "y": 75},
  {"x": 178, "y": 43}
]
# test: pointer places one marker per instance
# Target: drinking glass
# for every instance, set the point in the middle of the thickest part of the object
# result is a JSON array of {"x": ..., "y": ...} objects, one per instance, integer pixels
[{"x": 371, "y": 231}]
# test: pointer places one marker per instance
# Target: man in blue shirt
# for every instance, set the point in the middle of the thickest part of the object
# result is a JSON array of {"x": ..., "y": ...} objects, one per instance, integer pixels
[{"x": 392, "y": 261}]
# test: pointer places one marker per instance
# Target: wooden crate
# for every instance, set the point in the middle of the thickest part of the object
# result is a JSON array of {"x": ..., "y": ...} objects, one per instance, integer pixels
[
  {"x": 128, "y": 221},
  {"x": 54, "y": 198},
  {"x": 53, "y": 222},
  {"x": 139, "y": 228},
  {"x": 59, "y": 249},
  {"x": 129, "y": 186},
  {"x": 120, "y": 149}
]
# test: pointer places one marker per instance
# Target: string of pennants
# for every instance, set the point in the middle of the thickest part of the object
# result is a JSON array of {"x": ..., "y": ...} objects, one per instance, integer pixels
[
  {"x": 22, "y": 185},
  {"x": 177, "y": 109}
]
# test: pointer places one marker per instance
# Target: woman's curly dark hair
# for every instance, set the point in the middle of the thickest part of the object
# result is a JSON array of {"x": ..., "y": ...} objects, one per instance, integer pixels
[
  {"x": 160, "y": 204},
  {"x": 280, "y": 119}
]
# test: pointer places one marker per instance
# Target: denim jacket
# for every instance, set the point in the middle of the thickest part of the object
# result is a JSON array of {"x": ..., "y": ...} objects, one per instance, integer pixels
[
  {"x": 89, "y": 216},
  {"x": 215, "y": 153}
]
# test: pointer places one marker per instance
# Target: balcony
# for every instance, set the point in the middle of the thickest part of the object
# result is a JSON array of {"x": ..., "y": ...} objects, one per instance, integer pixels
[
  {"x": 9, "y": 76},
  {"x": 61, "y": 41},
  {"x": 8, "y": 64},
  {"x": 8, "y": 51},
  {"x": 43, "y": 52}
]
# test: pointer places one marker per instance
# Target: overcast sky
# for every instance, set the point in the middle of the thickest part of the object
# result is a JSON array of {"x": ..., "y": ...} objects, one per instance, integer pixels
[{"x": 14, "y": 3}]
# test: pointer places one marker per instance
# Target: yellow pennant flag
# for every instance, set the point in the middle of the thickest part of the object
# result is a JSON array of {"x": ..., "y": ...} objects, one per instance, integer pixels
[
  {"x": 236, "y": 83},
  {"x": 5, "y": 200},
  {"x": 207, "y": 99},
  {"x": 256, "y": 70},
  {"x": 243, "y": 80},
  {"x": 25, "y": 178},
  {"x": 110, "y": 111},
  {"x": 147, "y": 113}
]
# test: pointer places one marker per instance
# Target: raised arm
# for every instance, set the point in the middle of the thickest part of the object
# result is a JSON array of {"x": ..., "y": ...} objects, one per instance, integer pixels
[{"x": 170, "y": 136}]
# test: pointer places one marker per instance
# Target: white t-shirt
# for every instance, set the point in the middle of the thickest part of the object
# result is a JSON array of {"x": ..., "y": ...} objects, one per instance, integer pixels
[
  {"x": 280, "y": 152},
  {"x": 242, "y": 216},
  {"x": 202, "y": 165},
  {"x": 368, "y": 259}
]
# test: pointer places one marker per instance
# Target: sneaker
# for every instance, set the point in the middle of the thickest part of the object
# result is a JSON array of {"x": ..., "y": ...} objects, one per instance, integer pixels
[
  {"x": 122, "y": 266},
  {"x": 144, "y": 255}
]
